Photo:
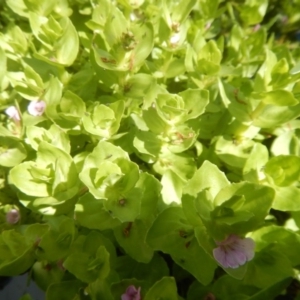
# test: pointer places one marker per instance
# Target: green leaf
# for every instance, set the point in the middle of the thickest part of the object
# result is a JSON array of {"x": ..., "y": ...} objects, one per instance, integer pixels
[
  {"x": 64, "y": 290},
  {"x": 258, "y": 201},
  {"x": 208, "y": 176},
  {"x": 55, "y": 136},
  {"x": 41, "y": 7},
  {"x": 209, "y": 8},
  {"x": 115, "y": 25},
  {"x": 269, "y": 115},
  {"x": 94, "y": 176},
  {"x": 22, "y": 178},
  {"x": 56, "y": 243},
  {"x": 272, "y": 265},
  {"x": 150, "y": 193},
  {"x": 127, "y": 267},
  {"x": 195, "y": 102},
  {"x": 90, "y": 213},
  {"x": 71, "y": 107},
  {"x": 129, "y": 235},
  {"x": 171, "y": 187},
  {"x": 272, "y": 291},
  {"x": 283, "y": 170},
  {"x": 52, "y": 96},
  {"x": 104, "y": 120},
  {"x": 253, "y": 168},
  {"x": 154, "y": 121},
  {"x": 144, "y": 34},
  {"x": 169, "y": 231},
  {"x": 26, "y": 297},
  {"x": 253, "y": 11},
  {"x": 89, "y": 267},
  {"x": 280, "y": 238},
  {"x": 181, "y": 164},
  {"x": 147, "y": 144},
  {"x": 164, "y": 289},
  {"x": 17, "y": 255},
  {"x": 209, "y": 59},
  {"x": 287, "y": 198},
  {"x": 279, "y": 98},
  {"x": 12, "y": 152},
  {"x": 181, "y": 11},
  {"x": 125, "y": 207},
  {"x": 45, "y": 274},
  {"x": 196, "y": 261},
  {"x": 233, "y": 154},
  {"x": 18, "y": 7},
  {"x": 190, "y": 210}
]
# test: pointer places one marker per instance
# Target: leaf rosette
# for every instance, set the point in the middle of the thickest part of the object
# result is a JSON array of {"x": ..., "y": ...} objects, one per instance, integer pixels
[
  {"x": 102, "y": 120},
  {"x": 187, "y": 105},
  {"x": 48, "y": 182},
  {"x": 110, "y": 175}
]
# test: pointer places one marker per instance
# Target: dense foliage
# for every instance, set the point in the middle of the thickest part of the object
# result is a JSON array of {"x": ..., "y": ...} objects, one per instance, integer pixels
[{"x": 149, "y": 149}]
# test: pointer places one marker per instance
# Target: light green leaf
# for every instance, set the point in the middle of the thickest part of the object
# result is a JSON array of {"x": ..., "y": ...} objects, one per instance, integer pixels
[
  {"x": 279, "y": 98},
  {"x": 129, "y": 235},
  {"x": 287, "y": 198},
  {"x": 283, "y": 170},
  {"x": 12, "y": 152},
  {"x": 171, "y": 188},
  {"x": 90, "y": 213},
  {"x": 164, "y": 289},
  {"x": 207, "y": 177}
]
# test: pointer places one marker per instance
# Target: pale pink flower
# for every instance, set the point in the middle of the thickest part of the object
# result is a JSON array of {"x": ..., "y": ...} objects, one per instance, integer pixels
[
  {"x": 13, "y": 216},
  {"x": 36, "y": 108},
  {"x": 234, "y": 251},
  {"x": 13, "y": 113},
  {"x": 132, "y": 293},
  {"x": 256, "y": 27}
]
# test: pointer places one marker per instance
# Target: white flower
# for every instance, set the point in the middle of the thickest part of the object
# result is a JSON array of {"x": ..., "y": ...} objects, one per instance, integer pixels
[
  {"x": 174, "y": 39},
  {"x": 13, "y": 113},
  {"x": 36, "y": 108},
  {"x": 13, "y": 216}
]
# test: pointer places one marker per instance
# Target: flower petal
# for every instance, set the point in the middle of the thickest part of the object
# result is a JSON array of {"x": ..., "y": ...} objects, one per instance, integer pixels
[
  {"x": 132, "y": 293},
  {"x": 36, "y": 108},
  {"x": 248, "y": 246},
  {"x": 13, "y": 113},
  {"x": 240, "y": 256},
  {"x": 220, "y": 256},
  {"x": 234, "y": 251},
  {"x": 231, "y": 260}
]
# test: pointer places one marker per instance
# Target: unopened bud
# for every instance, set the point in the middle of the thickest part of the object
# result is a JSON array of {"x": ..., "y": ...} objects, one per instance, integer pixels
[
  {"x": 13, "y": 113},
  {"x": 36, "y": 108},
  {"x": 13, "y": 216}
]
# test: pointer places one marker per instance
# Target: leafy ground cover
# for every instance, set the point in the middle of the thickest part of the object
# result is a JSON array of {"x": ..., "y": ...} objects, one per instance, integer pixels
[{"x": 150, "y": 149}]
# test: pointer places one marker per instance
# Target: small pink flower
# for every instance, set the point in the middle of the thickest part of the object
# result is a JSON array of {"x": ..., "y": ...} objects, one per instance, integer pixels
[
  {"x": 13, "y": 216},
  {"x": 256, "y": 27},
  {"x": 36, "y": 108},
  {"x": 234, "y": 251},
  {"x": 132, "y": 293},
  {"x": 13, "y": 113}
]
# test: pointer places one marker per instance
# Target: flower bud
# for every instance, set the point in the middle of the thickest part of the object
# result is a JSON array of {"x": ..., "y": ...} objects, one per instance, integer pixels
[
  {"x": 36, "y": 108},
  {"x": 132, "y": 293},
  {"x": 13, "y": 113},
  {"x": 13, "y": 216}
]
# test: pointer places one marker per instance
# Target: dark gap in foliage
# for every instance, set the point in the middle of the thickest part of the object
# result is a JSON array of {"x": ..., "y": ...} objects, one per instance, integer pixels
[{"x": 280, "y": 216}]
